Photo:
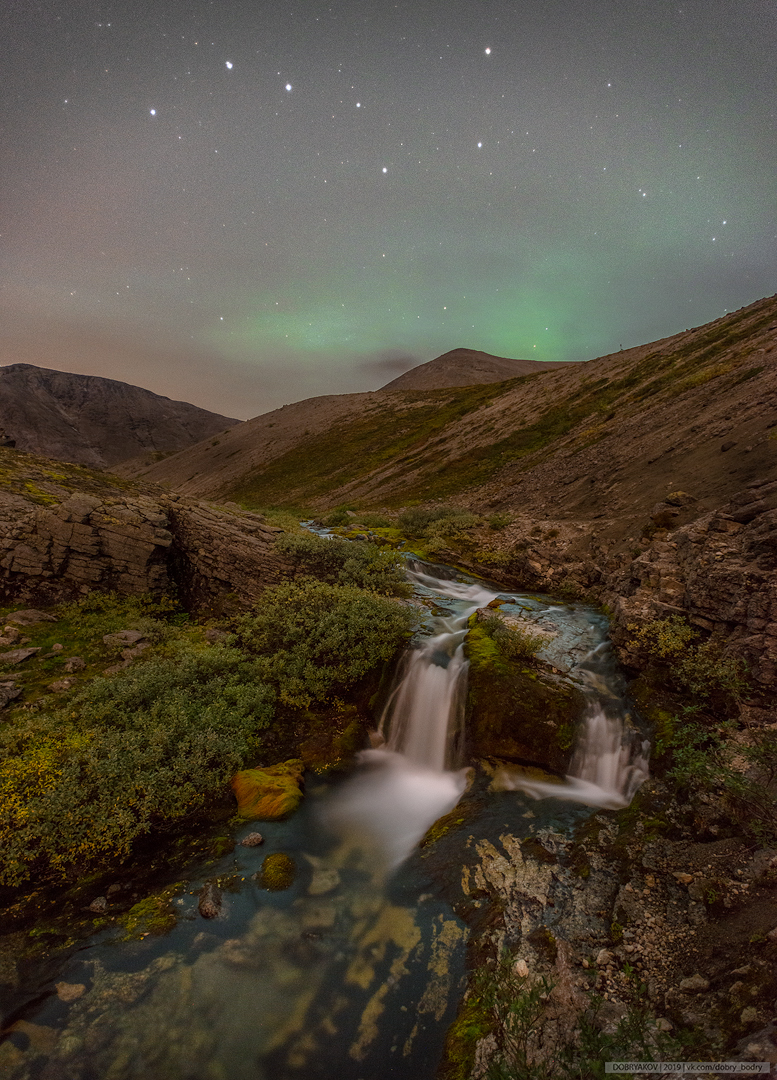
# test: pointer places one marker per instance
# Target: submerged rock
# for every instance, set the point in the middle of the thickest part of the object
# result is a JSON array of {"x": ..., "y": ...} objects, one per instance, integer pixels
[
  {"x": 277, "y": 873},
  {"x": 254, "y": 839},
  {"x": 210, "y": 901},
  {"x": 271, "y": 793}
]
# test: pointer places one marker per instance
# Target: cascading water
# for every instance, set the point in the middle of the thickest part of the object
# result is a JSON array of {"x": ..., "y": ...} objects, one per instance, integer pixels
[{"x": 415, "y": 775}]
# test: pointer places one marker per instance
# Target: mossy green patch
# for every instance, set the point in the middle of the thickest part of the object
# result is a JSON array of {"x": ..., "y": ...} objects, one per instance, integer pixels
[
  {"x": 152, "y": 915},
  {"x": 515, "y": 712},
  {"x": 277, "y": 873}
]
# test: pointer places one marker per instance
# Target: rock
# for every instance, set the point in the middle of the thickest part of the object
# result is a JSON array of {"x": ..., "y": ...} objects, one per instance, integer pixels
[
  {"x": 74, "y": 663},
  {"x": 9, "y": 636},
  {"x": 694, "y": 984},
  {"x": 277, "y": 873},
  {"x": 60, "y": 685},
  {"x": 324, "y": 880},
  {"x": 521, "y": 969},
  {"x": 57, "y": 647},
  {"x": 9, "y": 691},
  {"x": 69, "y": 991},
  {"x": 681, "y": 878},
  {"x": 210, "y": 901},
  {"x": 123, "y": 638},
  {"x": 99, "y": 905},
  {"x": 131, "y": 654},
  {"x": 271, "y": 793},
  {"x": 749, "y": 1015},
  {"x": 17, "y": 656},
  {"x": 213, "y": 635},
  {"x": 254, "y": 839},
  {"x": 29, "y": 617},
  {"x": 603, "y": 958}
]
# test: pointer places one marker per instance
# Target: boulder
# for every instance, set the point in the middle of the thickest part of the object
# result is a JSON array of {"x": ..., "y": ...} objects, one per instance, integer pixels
[
  {"x": 516, "y": 711},
  {"x": 210, "y": 900},
  {"x": 270, "y": 793},
  {"x": 17, "y": 656}
]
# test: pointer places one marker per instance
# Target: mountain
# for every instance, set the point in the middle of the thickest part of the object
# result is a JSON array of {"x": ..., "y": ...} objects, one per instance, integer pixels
[
  {"x": 93, "y": 421},
  {"x": 605, "y": 438},
  {"x": 467, "y": 367}
]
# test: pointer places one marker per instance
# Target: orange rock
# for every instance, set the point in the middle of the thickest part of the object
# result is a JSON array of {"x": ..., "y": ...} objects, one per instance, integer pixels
[{"x": 271, "y": 793}]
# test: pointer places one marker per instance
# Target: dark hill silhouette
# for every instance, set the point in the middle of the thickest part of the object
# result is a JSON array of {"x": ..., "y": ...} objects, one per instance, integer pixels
[{"x": 93, "y": 421}]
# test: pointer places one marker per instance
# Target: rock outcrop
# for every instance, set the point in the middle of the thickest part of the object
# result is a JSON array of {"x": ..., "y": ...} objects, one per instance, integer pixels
[{"x": 57, "y": 543}]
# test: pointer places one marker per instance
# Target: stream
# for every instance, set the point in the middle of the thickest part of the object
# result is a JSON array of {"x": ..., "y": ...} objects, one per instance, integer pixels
[{"x": 354, "y": 972}]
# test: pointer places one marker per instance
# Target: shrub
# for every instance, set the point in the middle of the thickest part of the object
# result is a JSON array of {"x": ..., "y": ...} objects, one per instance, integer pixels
[
  {"x": 513, "y": 642},
  {"x": 497, "y": 522},
  {"x": 130, "y": 753},
  {"x": 439, "y": 521},
  {"x": 346, "y": 562},
  {"x": 313, "y": 640},
  {"x": 700, "y": 670}
]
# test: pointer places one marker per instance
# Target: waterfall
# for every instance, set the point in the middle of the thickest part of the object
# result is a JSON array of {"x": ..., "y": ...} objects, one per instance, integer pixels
[
  {"x": 609, "y": 761},
  {"x": 414, "y": 776}
]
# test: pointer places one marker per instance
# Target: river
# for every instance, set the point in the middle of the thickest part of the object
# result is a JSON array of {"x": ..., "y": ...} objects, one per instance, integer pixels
[{"x": 354, "y": 972}]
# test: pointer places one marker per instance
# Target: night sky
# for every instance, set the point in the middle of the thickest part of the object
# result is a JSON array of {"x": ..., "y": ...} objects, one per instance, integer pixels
[{"x": 241, "y": 204}]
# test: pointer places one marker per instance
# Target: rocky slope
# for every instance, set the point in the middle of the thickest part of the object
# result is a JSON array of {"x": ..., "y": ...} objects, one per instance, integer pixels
[
  {"x": 66, "y": 530},
  {"x": 93, "y": 421}
]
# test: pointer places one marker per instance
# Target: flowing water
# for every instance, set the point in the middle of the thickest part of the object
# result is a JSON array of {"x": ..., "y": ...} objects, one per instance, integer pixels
[{"x": 355, "y": 972}]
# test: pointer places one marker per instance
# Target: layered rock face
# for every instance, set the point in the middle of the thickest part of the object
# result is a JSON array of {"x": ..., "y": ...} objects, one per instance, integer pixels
[
  {"x": 717, "y": 568},
  {"x": 57, "y": 544}
]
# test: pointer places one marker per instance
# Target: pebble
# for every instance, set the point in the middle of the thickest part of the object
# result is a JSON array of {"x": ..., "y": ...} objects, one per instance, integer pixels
[
  {"x": 254, "y": 839},
  {"x": 694, "y": 984},
  {"x": 99, "y": 905},
  {"x": 603, "y": 957},
  {"x": 521, "y": 969}
]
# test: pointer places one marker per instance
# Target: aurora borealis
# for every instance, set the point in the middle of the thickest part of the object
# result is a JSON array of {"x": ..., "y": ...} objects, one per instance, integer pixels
[{"x": 246, "y": 203}]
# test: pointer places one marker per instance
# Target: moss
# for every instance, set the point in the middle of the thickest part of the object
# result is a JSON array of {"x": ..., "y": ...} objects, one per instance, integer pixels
[
  {"x": 277, "y": 873},
  {"x": 332, "y": 739},
  {"x": 271, "y": 793},
  {"x": 154, "y": 915},
  {"x": 473, "y": 1022},
  {"x": 517, "y": 713}
]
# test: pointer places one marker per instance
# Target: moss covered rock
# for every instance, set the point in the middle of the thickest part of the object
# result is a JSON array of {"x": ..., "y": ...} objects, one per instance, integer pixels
[
  {"x": 271, "y": 793},
  {"x": 277, "y": 873},
  {"x": 515, "y": 711}
]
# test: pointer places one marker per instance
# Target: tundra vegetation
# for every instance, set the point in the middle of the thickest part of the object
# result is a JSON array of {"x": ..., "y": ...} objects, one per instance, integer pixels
[{"x": 141, "y": 750}]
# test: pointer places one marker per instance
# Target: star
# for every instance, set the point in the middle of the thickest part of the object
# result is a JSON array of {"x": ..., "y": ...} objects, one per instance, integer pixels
[
  {"x": 288, "y": 87},
  {"x": 229, "y": 64},
  {"x": 487, "y": 50}
]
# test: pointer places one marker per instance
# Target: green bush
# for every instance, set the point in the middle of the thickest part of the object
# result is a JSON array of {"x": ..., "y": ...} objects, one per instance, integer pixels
[
  {"x": 513, "y": 642},
  {"x": 701, "y": 670},
  {"x": 129, "y": 754},
  {"x": 439, "y": 521},
  {"x": 704, "y": 759},
  {"x": 314, "y": 640},
  {"x": 346, "y": 562}
]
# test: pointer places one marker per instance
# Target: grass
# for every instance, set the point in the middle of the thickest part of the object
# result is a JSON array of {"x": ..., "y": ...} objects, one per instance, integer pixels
[{"x": 408, "y": 438}]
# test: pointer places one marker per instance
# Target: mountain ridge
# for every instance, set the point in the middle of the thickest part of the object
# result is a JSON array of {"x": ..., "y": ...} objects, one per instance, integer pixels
[{"x": 94, "y": 421}]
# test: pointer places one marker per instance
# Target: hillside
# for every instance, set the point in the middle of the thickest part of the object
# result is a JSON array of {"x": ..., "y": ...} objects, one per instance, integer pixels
[
  {"x": 93, "y": 421},
  {"x": 604, "y": 438}
]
